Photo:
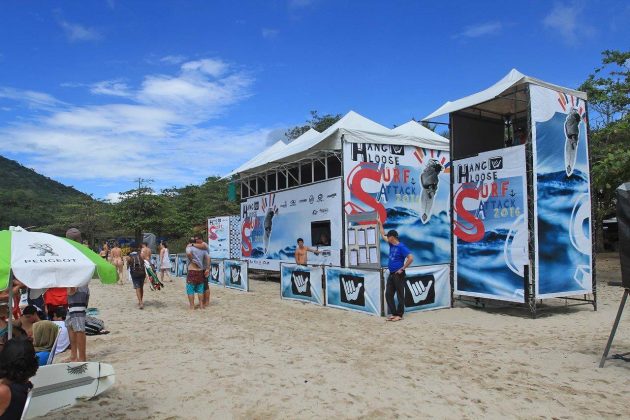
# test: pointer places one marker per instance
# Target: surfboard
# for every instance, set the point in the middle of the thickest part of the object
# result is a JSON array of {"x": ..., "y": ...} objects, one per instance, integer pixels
[
  {"x": 154, "y": 281},
  {"x": 426, "y": 204},
  {"x": 61, "y": 385},
  {"x": 570, "y": 156},
  {"x": 571, "y": 127},
  {"x": 429, "y": 181}
]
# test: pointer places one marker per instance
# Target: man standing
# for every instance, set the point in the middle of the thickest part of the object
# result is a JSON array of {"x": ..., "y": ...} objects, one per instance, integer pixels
[
  {"x": 198, "y": 272},
  {"x": 135, "y": 262},
  {"x": 116, "y": 258},
  {"x": 301, "y": 253},
  {"x": 78, "y": 298},
  {"x": 399, "y": 259}
]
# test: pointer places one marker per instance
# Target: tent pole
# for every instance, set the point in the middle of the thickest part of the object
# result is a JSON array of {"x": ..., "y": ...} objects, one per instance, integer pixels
[{"x": 10, "y": 306}]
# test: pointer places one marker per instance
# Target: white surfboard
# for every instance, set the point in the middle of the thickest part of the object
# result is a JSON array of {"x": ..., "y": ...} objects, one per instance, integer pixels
[
  {"x": 426, "y": 204},
  {"x": 570, "y": 156},
  {"x": 61, "y": 385}
]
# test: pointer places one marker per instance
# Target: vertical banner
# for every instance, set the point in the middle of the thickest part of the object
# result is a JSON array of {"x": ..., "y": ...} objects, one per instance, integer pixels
[
  {"x": 173, "y": 269},
  {"x": 235, "y": 275},
  {"x": 235, "y": 237},
  {"x": 562, "y": 214},
  {"x": 301, "y": 282},
  {"x": 426, "y": 288},
  {"x": 272, "y": 223},
  {"x": 155, "y": 261},
  {"x": 182, "y": 265},
  {"x": 219, "y": 237},
  {"x": 354, "y": 289},
  {"x": 217, "y": 276},
  {"x": 408, "y": 187},
  {"x": 490, "y": 231}
]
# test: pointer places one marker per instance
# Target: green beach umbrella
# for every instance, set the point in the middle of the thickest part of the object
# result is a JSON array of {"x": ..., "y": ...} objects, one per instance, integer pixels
[{"x": 40, "y": 261}]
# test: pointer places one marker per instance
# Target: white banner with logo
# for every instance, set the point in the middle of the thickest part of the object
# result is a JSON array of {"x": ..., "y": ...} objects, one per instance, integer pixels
[
  {"x": 301, "y": 282},
  {"x": 354, "y": 289},
  {"x": 490, "y": 231},
  {"x": 219, "y": 237},
  {"x": 182, "y": 265},
  {"x": 235, "y": 275},
  {"x": 272, "y": 223},
  {"x": 217, "y": 276},
  {"x": 426, "y": 288}
]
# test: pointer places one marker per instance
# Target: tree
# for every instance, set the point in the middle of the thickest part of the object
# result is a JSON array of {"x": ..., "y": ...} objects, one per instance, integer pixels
[
  {"x": 608, "y": 89},
  {"x": 317, "y": 122}
]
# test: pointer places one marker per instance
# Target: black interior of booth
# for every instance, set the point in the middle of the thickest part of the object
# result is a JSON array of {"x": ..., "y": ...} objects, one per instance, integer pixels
[{"x": 494, "y": 124}]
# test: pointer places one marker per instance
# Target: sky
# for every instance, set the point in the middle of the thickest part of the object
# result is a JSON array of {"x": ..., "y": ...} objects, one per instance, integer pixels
[{"x": 96, "y": 94}]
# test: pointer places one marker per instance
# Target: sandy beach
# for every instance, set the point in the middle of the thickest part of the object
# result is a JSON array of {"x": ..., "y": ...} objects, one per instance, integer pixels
[{"x": 253, "y": 355}]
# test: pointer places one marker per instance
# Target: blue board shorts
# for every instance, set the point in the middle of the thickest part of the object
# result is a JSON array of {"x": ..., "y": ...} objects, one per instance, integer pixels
[{"x": 191, "y": 289}]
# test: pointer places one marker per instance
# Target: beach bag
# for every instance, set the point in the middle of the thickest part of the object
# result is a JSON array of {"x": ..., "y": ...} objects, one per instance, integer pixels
[
  {"x": 93, "y": 326},
  {"x": 137, "y": 267}
]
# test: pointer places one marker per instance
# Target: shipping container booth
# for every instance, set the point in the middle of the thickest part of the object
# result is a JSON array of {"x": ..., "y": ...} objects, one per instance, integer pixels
[
  {"x": 329, "y": 189},
  {"x": 521, "y": 205}
]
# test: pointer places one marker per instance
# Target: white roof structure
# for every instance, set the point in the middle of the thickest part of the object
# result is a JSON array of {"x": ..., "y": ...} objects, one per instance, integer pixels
[
  {"x": 513, "y": 79},
  {"x": 351, "y": 127}
]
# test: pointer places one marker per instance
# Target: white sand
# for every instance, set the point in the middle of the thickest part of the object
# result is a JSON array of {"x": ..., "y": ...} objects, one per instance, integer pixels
[{"x": 253, "y": 355}]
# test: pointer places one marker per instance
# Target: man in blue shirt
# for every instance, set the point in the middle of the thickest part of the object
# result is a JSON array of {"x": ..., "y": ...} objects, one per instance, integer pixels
[{"x": 399, "y": 259}]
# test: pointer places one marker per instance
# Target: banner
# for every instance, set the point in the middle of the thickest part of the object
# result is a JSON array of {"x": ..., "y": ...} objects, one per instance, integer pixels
[
  {"x": 426, "y": 288},
  {"x": 562, "y": 215},
  {"x": 354, "y": 289},
  {"x": 272, "y": 223},
  {"x": 219, "y": 237},
  {"x": 235, "y": 275},
  {"x": 182, "y": 265},
  {"x": 155, "y": 261},
  {"x": 173, "y": 270},
  {"x": 409, "y": 188},
  {"x": 490, "y": 231},
  {"x": 216, "y": 273},
  {"x": 301, "y": 282}
]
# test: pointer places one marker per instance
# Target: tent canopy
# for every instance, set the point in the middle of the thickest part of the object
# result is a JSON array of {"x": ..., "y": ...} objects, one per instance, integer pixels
[
  {"x": 351, "y": 127},
  {"x": 508, "y": 85}
]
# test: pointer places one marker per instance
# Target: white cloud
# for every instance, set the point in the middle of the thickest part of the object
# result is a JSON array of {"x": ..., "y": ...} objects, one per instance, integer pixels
[
  {"x": 110, "y": 87},
  {"x": 31, "y": 98},
  {"x": 479, "y": 30},
  {"x": 163, "y": 127},
  {"x": 269, "y": 33},
  {"x": 76, "y": 32},
  {"x": 113, "y": 197},
  {"x": 173, "y": 59},
  {"x": 564, "y": 19}
]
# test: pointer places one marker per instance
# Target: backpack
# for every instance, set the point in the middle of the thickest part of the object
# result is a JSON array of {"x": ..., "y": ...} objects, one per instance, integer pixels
[
  {"x": 137, "y": 266},
  {"x": 93, "y": 326}
]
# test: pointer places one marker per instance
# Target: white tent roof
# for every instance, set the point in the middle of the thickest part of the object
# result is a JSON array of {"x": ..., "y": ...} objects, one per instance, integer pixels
[
  {"x": 513, "y": 78},
  {"x": 415, "y": 129}
]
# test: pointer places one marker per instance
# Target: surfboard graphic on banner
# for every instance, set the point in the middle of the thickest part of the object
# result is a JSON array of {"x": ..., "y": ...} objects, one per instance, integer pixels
[
  {"x": 490, "y": 224},
  {"x": 562, "y": 192},
  {"x": 271, "y": 224},
  {"x": 408, "y": 188}
]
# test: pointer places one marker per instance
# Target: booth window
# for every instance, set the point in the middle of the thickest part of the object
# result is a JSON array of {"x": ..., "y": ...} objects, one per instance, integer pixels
[
  {"x": 334, "y": 166},
  {"x": 252, "y": 187},
  {"x": 294, "y": 177},
  {"x": 271, "y": 182},
  {"x": 282, "y": 180},
  {"x": 306, "y": 172},
  {"x": 262, "y": 188},
  {"x": 244, "y": 190},
  {"x": 319, "y": 171},
  {"x": 320, "y": 233}
]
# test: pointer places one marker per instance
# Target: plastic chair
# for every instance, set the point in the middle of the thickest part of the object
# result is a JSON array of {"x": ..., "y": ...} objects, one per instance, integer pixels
[
  {"x": 26, "y": 404},
  {"x": 51, "y": 357}
]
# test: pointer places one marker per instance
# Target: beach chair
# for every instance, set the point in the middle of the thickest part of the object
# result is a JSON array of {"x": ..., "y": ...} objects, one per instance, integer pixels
[
  {"x": 51, "y": 357},
  {"x": 26, "y": 404}
]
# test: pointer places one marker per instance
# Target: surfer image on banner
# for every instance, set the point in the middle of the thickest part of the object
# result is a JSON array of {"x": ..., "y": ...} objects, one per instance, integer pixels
[
  {"x": 429, "y": 180},
  {"x": 572, "y": 133}
]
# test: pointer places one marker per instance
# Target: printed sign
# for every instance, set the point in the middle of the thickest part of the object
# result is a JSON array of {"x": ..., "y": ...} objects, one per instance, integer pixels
[
  {"x": 490, "y": 224},
  {"x": 219, "y": 237},
  {"x": 562, "y": 215},
  {"x": 235, "y": 275},
  {"x": 173, "y": 269},
  {"x": 426, "y": 288},
  {"x": 182, "y": 265},
  {"x": 409, "y": 189},
  {"x": 272, "y": 223},
  {"x": 300, "y": 282},
  {"x": 216, "y": 273},
  {"x": 354, "y": 289}
]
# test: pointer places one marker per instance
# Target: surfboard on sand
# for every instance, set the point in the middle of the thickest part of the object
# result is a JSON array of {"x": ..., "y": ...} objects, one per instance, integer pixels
[{"x": 61, "y": 385}]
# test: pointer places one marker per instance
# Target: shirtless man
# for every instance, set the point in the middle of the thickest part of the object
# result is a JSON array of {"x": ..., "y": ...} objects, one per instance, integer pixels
[
  {"x": 116, "y": 259},
  {"x": 301, "y": 252},
  {"x": 145, "y": 254}
]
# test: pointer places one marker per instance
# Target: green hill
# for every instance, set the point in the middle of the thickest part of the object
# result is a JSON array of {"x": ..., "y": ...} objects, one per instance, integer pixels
[{"x": 29, "y": 199}]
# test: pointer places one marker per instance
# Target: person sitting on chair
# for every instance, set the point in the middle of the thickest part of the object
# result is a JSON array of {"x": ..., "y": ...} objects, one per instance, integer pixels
[{"x": 44, "y": 336}]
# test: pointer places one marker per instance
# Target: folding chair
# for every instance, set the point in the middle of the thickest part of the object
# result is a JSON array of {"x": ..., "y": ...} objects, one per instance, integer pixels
[{"x": 54, "y": 348}]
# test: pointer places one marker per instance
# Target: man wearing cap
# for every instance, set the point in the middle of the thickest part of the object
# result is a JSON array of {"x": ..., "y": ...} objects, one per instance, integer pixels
[{"x": 399, "y": 259}]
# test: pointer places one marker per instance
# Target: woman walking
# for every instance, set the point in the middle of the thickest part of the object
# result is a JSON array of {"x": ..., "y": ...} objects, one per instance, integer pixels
[{"x": 165, "y": 262}]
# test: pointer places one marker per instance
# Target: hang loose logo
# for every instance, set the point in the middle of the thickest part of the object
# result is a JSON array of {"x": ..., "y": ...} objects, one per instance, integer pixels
[
  {"x": 420, "y": 290},
  {"x": 300, "y": 283},
  {"x": 214, "y": 272},
  {"x": 353, "y": 290}
]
